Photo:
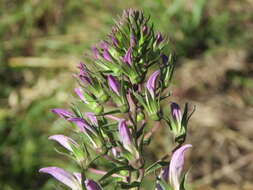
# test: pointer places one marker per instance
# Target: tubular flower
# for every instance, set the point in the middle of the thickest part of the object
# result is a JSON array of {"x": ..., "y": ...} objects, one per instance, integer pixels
[
  {"x": 127, "y": 139},
  {"x": 125, "y": 135},
  {"x": 176, "y": 112},
  {"x": 93, "y": 119},
  {"x": 113, "y": 84},
  {"x": 88, "y": 130},
  {"x": 83, "y": 75},
  {"x": 65, "y": 114},
  {"x": 151, "y": 83},
  {"x": 79, "y": 93},
  {"x": 107, "y": 55},
  {"x": 128, "y": 57},
  {"x": 176, "y": 167},
  {"x": 92, "y": 185},
  {"x": 65, "y": 141},
  {"x": 67, "y": 178}
]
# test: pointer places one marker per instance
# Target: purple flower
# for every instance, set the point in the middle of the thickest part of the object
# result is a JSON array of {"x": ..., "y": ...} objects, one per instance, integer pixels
[
  {"x": 88, "y": 130},
  {"x": 164, "y": 175},
  {"x": 176, "y": 166},
  {"x": 125, "y": 135},
  {"x": 82, "y": 124},
  {"x": 63, "y": 176},
  {"x": 64, "y": 141},
  {"x": 79, "y": 93},
  {"x": 176, "y": 112},
  {"x": 95, "y": 52},
  {"x": 104, "y": 45},
  {"x": 151, "y": 83},
  {"x": 63, "y": 113},
  {"x": 128, "y": 57},
  {"x": 93, "y": 119},
  {"x": 114, "y": 40},
  {"x": 113, "y": 84},
  {"x": 115, "y": 152},
  {"x": 164, "y": 59},
  {"x": 107, "y": 55},
  {"x": 145, "y": 30},
  {"x": 92, "y": 185},
  {"x": 83, "y": 75},
  {"x": 159, "y": 38},
  {"x": 132, "y": 40}
]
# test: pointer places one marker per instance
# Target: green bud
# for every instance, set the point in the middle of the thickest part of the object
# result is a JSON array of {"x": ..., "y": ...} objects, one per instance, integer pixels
[{"x": 140, "y": 116}]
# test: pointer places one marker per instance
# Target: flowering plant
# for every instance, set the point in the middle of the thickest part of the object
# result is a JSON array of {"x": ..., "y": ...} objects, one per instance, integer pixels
[{"x": 121, "y": 86}]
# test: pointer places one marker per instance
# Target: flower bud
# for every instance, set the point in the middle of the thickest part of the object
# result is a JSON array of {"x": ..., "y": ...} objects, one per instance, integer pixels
[
  {"x": 92, "y": 185},
  {"x": 126, "y": 138},
  {"x": 115, "y": 42},
  {"x": 113, "y": 84},
  {"x": 95, "y": 52},
  {"x": 145, "y": 30},
  {"x": 104, "y": 45},
  {"x": 93, "y": 119},
  {"x": 132, "y": 41},
  {"x": 159, "y": 38},
  {"x": 125, "y": 135},
  {"x": 63, "y": 113},
  {"x": 79, "y": 93},
  {"x": 89, "y": 131},
  {"x": 128, "y": 57},
  {"x": 151, "y": 87},
  {"x": 140, "y": 116},
  {"x": 107, "y": 55},
  {"x": 83, "y": 75},
  {"x": 176, "y": 112}
]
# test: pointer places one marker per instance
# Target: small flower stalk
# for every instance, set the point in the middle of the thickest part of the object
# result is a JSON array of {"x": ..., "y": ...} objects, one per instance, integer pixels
[{"x": 123, "y": 85}]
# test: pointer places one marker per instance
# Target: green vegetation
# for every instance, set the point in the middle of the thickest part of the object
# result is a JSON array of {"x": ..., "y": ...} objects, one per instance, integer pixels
[{"x": 43, "y": 41}]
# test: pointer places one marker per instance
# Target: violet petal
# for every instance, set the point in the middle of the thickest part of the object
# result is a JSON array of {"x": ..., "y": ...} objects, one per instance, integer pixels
[
  {"x": 176, "y": 166},
  {"x": 176, "y": 112},
  {"x": 128, "y": 57},
  {"x": 64, "y": 141},
  {"x": 62, "y": 113},
  {"x": 113, "y": 84},
  {"x": 63, "y": 176},
  {"x": 125, "y": 135},
  {"x": 151, "y": 83},
  {"x": 79, "y": 93},
  {"x": 92, "y": 118},
  {"x": 92, "y": 185}
]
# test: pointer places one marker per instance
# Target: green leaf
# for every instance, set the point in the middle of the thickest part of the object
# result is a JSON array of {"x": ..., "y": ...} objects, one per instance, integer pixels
[
  {"x": 129, "y": 186},
  {"x": 155, "y": 166},
  {"x": 182, "y": 185}
]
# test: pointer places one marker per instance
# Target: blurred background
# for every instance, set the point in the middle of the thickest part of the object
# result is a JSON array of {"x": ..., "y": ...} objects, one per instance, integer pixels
[{"x": 43, "y": 41}]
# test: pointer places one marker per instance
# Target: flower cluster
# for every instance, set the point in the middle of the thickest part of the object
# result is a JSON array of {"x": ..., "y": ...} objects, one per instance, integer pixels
[{"x": 121, "y": 86}]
